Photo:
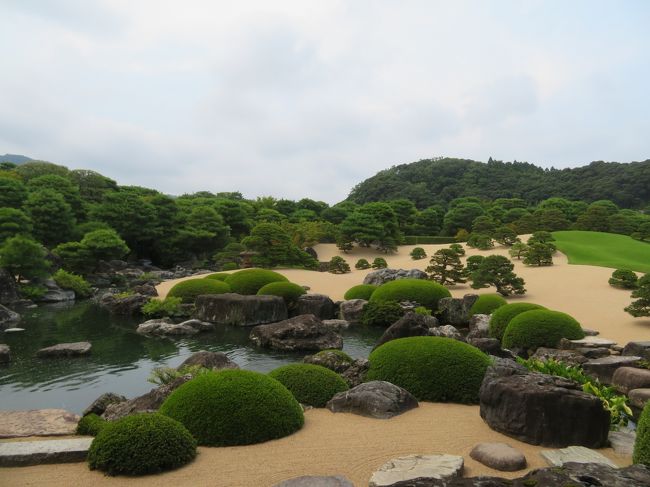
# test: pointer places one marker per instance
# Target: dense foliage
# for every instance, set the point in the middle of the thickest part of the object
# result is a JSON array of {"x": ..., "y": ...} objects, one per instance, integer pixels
[
  {"x": 189, "y": 290},
  {"x": 445, "y": 267},
  {"x": 90, "y": 425},
  {"x": 360, "y": 291},
  {"x": 486, "y": 304},
  {"x": 425, "y": 293},
  {"x": 641, "y": 295},
  {"x": 158, "y": 308},
  {"x": 312, "y": 385},
  {"x": 503, "y": 315},
  {"x": 288, "y": 291},
  {"x": 642, "y": 444},
  {"x": 68, "y": 280},
  {"x": 381, "y": 313},
  {"x": 624, "y": 279},
  {"x": 250, "y": 281},
  {"x": 541, "y": 328}
]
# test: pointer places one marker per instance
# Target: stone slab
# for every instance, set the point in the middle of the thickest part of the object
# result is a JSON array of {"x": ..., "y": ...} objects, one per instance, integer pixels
[
  {"x": 603, "y": 368},
  {"x": 417, "y": 467},
  {"x": 38, "y": 422},
  {"x": 576, "y": 454},
  {"x": 24, "y": 453},
  {"x": 592, "y": 341}
]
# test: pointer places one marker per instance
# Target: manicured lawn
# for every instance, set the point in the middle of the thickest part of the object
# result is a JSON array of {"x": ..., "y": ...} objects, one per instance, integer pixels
[{"x": 604, "y": 250}]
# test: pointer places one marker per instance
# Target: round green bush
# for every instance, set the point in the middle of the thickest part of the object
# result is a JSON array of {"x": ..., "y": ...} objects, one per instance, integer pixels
[
  {"x": 433, "y": 369},
  {"x": 234, "y": 407},
  {"x": 310, "y": 384},
  {"x": 642, "y": 443},
  {"x": 230, "y": 266},
  {"x": 362, "y": 264},
  {"x": 189, "y": 290},
  {"x": 90, "y": 425},
  {"x": 249, "y": 281},
  {"x": 541, "y": 328},
  {"x": 624, "y": 279},
  {"x": 381, "y": 313},
  {"x": 425, "y": 293},
  {"x": 289, "y": 291},
  {"x": 141, "y": 444},
  {"x": 219, "y": 276},
  {"x": 486, "y": 304},
  {"x": 503, "y": 315},
  {"x": 362, "y": 291}
]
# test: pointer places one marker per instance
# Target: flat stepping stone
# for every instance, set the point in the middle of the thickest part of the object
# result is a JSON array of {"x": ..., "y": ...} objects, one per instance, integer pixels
[
  {"x": 38, "y": 422},
  {"x": 314, "y": 481},
  {"x": 65, "y": 350},
  {"x": 24, "y": 453},
  {"x": 423, "y": 467},
  {"x": 622, "y": 441},
  {"x": 603, "y": 368},
  {"x": 592, "y": 341},
  {"x": 499, "y": 456},
  {"x": 639, "y": 397},
  {"x": 576, "y": 454}
]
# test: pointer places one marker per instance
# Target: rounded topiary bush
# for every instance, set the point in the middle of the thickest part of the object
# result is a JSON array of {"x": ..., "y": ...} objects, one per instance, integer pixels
[
  {"x": 503, "y": 315},
  {"x": 362, "y": 264},
  {"x": 189, "y": 290},
  {"x": 426, "y": 293},
  {"x": 382, "y": 313},
  {"x": 433, "y": 369},
  {"x": 289, "y": 291},
  {"x": 362, "y": 291},
  {"x": 313, "y": 385},
  {"x": 541, "y": 328},
  {"x": 249, "y": 281},
  {"x": 90, "y": 425},
  {"x": 486, "y": 304},
  {"x": 219, "y": 276},
  {"x": 141, "y": 444},
  {"x": 624, "y": 279},
  {"x": 642, "y": 443},
  {"x": 234, "y": 407}
]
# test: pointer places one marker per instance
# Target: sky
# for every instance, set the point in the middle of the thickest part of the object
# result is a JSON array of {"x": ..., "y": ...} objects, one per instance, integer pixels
[{"x": 307, "y": 98}]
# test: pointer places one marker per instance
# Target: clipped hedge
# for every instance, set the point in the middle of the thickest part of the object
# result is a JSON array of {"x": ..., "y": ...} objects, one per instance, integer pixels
[
  {"x": 486, "y": 304},
  {"x": 219, "y": 276},
  {"x": 90, "y": 425},
  {"x": 288, "y": 291},
  {"x": 310, "y": 384},
  {"x": 541, "y": 328},
  {"x": 189, "y": 290},
  {"x": 249, "y": 281},
  {"x": 641, "y": 452},
  {"x": 234, "y": 407},
  {"x": 141, "y": 444},
  {"x": 361, "y": 291},
  {"x": 502, "y": 317},
  {"x": 433, "y": 369},
  {"x": 425, "y": 293}
]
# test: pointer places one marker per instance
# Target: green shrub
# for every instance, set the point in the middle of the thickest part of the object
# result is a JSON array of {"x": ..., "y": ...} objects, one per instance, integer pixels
[
  {"x": 458, "y": 248},
  {"x": 219, "y": 276},
  {"x": 230, "y": 266},
  {"x": 189, "y": 290},
  {"x": 234, "y": 407},
  {"x": 90, "y": 425},
  {"x": 339, "y": 353},
  {"x": 541, "y": 328},
  {"x": 158, "y": 308},
  {"x": 338, "y": 265},
  {"x": 361, "y": 291},
  {"x": 418, "y": 253},
  {"x": 249, "y": 281},
  {"x": 421, "y": 310},
  {"x": 379, "y": 263},
  {"x": 503, "y": 315},
  {"x": 381, "y": 313},
  {"x": 642, "y": 444},
  {"x": 32, "y": 291},
  {"x": 362, "y": 264},
  {"x": 486, "y": 304},
  {"x": 425, "y": 293},
  {"x": 434, "y": 369},
  {"x": 624, "y": 279},
  {"x": 141, "y": 444},
  {"x": 68, "y": 280},
  {"x": 310, "y": 384},
  {"x": 288, "y": 291}
]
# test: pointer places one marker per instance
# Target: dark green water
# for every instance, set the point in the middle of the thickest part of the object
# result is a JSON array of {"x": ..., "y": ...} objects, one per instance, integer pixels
[{"x": 121, "y": 360}]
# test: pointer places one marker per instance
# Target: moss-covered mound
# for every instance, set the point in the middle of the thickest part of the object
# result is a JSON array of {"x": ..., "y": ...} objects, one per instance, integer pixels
[
  {"x": 189, "y": 290},
  {"x": 502, "y": 317},
  {"x": 249, "y": 281},
  {"x": 310, "y": 384},
  {"x": 642, "y": 444},
  {"x": 289, "y": 291},
  {"x": 433, "y": 369},
  {"x": 234, "y": 407},
  {"x": 486, "y": 304},
  {"x": 381, "y": 313},
  {"x": 141, "y": 444},
  {"x": 426, "y": 293},
  {"x": 219, "y": 276},
  {"x": 90, "y": 425},
  {"x": 541, "y": 328},
  {"x": 361, "y": 291}
]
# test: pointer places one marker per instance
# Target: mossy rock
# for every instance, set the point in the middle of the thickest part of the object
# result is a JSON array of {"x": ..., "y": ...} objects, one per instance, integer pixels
[
  {"x": 435, "y": 369},
  {"x": 425, "y": 293},
  {"x": 90, "y": 425},
  {"x": 250, "y": 281},
  {"x": 141, "y": 444},
  {"x": 642, "y": 443},
  {"x": 361, "y": 291},
  {"x": 189, "y": 290},
  {"x": 219, "y": 276},
  {"x": 541, "y": 328},
  {"x": 502, "y": 316},
  {"x": 486, "y": 304},
  {"x": 234, "y": 407},
  {"x": 312, "y": 385},
  {"x": 288, "y": 291}
]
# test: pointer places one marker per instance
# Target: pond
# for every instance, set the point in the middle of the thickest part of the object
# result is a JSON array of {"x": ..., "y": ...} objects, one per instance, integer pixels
[{"x": 121, "y": 360}]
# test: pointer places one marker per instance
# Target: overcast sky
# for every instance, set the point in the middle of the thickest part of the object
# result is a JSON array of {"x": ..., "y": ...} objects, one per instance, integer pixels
[{"x": 307, "y": 98}]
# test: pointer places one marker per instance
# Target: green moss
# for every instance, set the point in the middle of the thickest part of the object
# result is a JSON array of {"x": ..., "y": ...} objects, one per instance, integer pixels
[
  {"x": 288, "y": 291},
  {"x": 503, "y": 315},
  {"x": 425, "y": 293},
  {"x": 90, "y": 425},
  {"x": 361, "y": 291},
  {"x": 541, "y": 328},
  {"x": 249, "y": 281},
  {"x": 234, "y": 407},
  {"x": 339, "y": 353},
  {"x": 310, "y": 384},
  {"x": 189, "y": 290},
  {"x": 642, "y": 444},
  {"x": 141, "y": 444},
  {"x": 431, "y": 368},
  {"x": 219, "y": 276},
  {"x": 381, "y": 313},
  {"x": 486, "y": 304}
]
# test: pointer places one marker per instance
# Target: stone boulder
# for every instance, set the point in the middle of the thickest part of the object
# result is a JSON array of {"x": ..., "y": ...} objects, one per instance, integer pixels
[
  {"x": 356, "y": 373},
  {"x": 639, "y": 397},
  {"x": 8, "y": 318},
  {"x": 490, "y": 346},
  {"x": 77, "y": 349},
  {"x": 571, "y": 357},
  {"x": 479, "y": 326},
  {"x": 409, "y": 325},
  {"x": 164, "y": 327},
  {"x": 455, "y": 311},
  {"x": 639, "y": 349},
  {"x": 125, "y": 305},
  {"x": 8, "y": 288},
  {"x": 209, "y": 360},
  {"x": 319, "y": 305},
  {"x": 403, "y": 470},
  {"x": 603, "y": 368},
  {"x": 499, "y": 456},
  {"x": 55, "y": 294},
  {"x": 626, "y": 379},
  {"x": 304, "y": 332},
  {"x": 5, "y": 354},
  {"x": 375, "y": 399},
  {"x": 352, "y": 310},
  {"x": 541, "y": 409},
  {"x": 146, "y": 290},
  {"x": 446, "y": 331},
  {"x": 336, "y": 325},
  {"x": 330, "y": 360},
  {"x": 236, "y": 309},
  {"x": 99, "y": 405},
  {"x": 382, "y": 276}
]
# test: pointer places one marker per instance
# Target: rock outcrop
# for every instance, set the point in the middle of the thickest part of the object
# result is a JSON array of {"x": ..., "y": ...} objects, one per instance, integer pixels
[
  {"x": 125, "y": 305},
  {"x": 8, "y": 318},
  {"x": 352, "y": 310},
  {"x": 409, "y": 325},
  {"x": 236, "y": 309},
  {"x": 455, "y": 311},
  {"x": 329, "y": 359},
  {"x": 99, "y": 405},
  {"x": 209, "y": 360},
  {"x": 382, "y": 276},
  {"x": 304, "y": 332},
  {"x": 77, "y": 349},
  {"x": 55, "y": 294},
  {"x": 165, "y": 327},
  {"x": 375, "y": 399},
  {"x": 318, "y": 305}
]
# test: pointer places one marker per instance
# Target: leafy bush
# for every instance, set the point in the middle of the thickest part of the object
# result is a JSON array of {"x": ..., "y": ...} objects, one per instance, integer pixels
[
  {"x": 642, "y": 444},
  {"x": 230, "y": 266},
  {"x": 249, "y": 281},
  {"x": 383, "y": 313},
  {"x": 418, "y": 253},
  {"x": 32, "y": 291},
  {"x": 234, "y": 407},
  {"x": 338, "y": 265},
  {"x": 288, "y": 291},
  {"x": 431, "y": 368},
  {"x": 141, "y": 444},
  {"x": 189, "y": 290},
  {"x": 458, "y": 248},
  {"x": 158, "y": 308},
  {"x": 362, "y": 264},
  {"x": 219, "y": 276},
  {"x": 379, "y": 263},
  {"x": 90, "y": 425},
  {"x": 541, "y": 328},
  {"x": 624, "y": 279},
  {"x": 486, "y": 304},
  {"x": 503, "y": 315},
  {"x": 480, "y": 241},
  {"x": 361, "y": 291},
  {"x": 425, "y": 293},
  {"x": 310, "y": 384},
  {"x": 68, "y": 280},
  {"x": 421, "y": 310}
]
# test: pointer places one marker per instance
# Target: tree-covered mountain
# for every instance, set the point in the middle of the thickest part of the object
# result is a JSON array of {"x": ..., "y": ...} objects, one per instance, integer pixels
[
  {"x": 438, "y": 181},
  {"x": 15, "y": 158}
]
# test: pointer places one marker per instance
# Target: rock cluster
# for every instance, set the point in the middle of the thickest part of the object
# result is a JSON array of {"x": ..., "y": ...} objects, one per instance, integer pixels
[{"x": 304, "y": 332}]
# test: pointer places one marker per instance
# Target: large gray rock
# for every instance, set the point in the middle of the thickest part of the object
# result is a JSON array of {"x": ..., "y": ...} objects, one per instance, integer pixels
[
  {"x": 490, "y": 346},
  {"x": 382, "y": 276},
  {"x": 99, "y": 405},
  {"x": 447, "y": 331},
  {"x": 420, "y": 467},
  {"x": 313, "y": 481},
  {"x": 37, "y": 422},
  {"x": 5, "y": 354},
  {"x": 639, "y": 397},
  {"x": 24, "y": 453},
  {"x": 77, "y": 349},
  {"x": 330, "y": 359},
  {"x": 209, "y": 360},
  {"x": 126, "y": 305},
  {"x": 319, "y": 305},
  {"x": 622, "y": 441},
  {"x": 161, "y": 328},
  {"x": 603, "y": 368},
  {"x": 304, "y": 332},
  {"x": 576, "y": 454},
  {"x": 499, "y": 456},
  {"x": 479, "y": 326},
  {"x": 236, "y": 309},
  {"x": 640, "y": 349},
  {"x": 375, "y": 399},
  {"x": 355, "y": 374},
  {"x": 352, "y": 310},
  {"x": 8, "y": 288},
  {"x": 455, "y": 311},
  {"x": 55, "y": 294},
  {"x": 627, "y": 378},
  {"x": 336, "y": 325},
  {"x": 409, "y": 325},
  {"x": 8, "y": 318},
  {"x": 570, "y": 357}
]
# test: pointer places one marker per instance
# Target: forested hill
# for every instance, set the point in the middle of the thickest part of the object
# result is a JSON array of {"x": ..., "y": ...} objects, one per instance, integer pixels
[
  {"x": 14, "y": 158},
  {"x": 432, "y": 181}
]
